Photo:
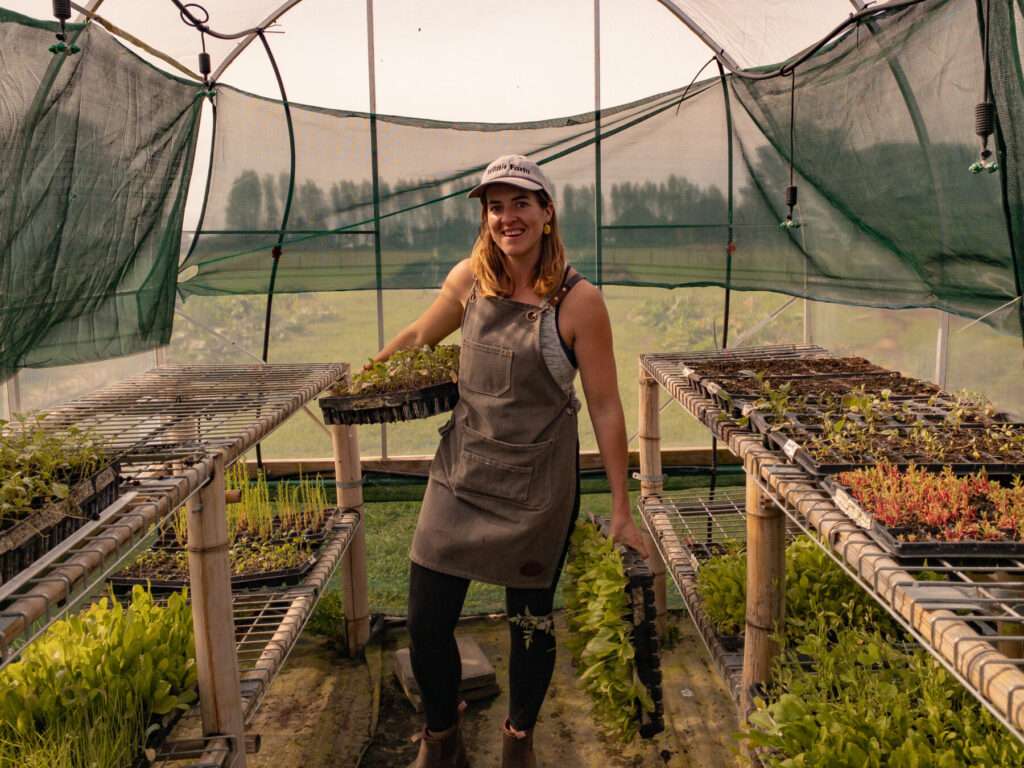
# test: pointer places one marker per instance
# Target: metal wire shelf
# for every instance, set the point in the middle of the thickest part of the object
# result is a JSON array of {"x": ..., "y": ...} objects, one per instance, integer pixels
[
  {"x": 968, "y": 615},
  {"x": 164, "y": 425},
  {"x": 180, "y": 413}
]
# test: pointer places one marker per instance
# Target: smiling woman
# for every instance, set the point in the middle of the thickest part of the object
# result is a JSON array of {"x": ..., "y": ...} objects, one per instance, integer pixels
[{"x": 504, "y": 485}]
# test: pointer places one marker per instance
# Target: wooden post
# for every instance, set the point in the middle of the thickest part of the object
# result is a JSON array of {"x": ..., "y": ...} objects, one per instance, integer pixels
[
  {"x": 651, "y": 485},
  {"x": 347, "y": 474},
  {"x": 1013, "y": 649},
  {"x": 220, "y": 694},
  {"x": 766, "y": 589}
]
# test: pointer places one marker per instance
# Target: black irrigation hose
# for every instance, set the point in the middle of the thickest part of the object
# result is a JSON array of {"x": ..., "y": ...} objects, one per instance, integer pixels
[
  {"x": 276, "y": 251},
  {"x": 202, "y": 27},
  {"x": 288, "y": 202}
]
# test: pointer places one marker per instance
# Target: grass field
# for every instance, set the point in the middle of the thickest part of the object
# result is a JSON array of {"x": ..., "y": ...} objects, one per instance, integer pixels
[{"x": 343, "y": 327}]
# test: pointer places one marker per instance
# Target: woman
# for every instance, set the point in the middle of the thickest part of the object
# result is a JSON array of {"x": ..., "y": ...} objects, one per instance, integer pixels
[{"x": 504, "y": 486}]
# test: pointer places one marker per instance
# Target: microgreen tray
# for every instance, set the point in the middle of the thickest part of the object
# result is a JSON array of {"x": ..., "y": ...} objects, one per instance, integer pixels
[{"x": 889, "y": 539}]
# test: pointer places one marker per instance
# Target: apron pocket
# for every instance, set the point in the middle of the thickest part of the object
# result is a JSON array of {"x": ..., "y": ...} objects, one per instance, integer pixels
[
  {"x": 485, "y": 369},
  {"x": 519, "y": 474}
]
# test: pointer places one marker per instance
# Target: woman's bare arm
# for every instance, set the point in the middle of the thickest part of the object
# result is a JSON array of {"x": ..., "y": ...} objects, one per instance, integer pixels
[
  {"x": 441, "y": 319},
  {"x": 584, "y": 322}
]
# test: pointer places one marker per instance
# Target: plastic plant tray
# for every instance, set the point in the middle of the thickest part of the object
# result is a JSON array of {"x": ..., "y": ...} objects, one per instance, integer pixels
[
  {"x": 791, "y": 441},
  {"x": 647, "y": 653},
  {"x": 31, "y": 538},
  {"x": 735, "y": 392},
  {"x": 768, "y": 352},
  {"x": 972, "y": 551},
  {"x": 317, "y": 537},
  {"x": 804, "y": 367},
  {"x": 910, "y": 415},
  {"x": 386, "y": 407},
  {"x": 647, "y": 656},
  {"x": 279, "y": 577}
]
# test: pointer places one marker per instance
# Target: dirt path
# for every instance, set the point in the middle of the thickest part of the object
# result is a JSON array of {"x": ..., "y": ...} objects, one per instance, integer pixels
[{"x": 319, "y": 711}]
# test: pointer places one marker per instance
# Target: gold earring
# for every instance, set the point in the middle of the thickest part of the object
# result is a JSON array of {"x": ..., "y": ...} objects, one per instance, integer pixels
[{"x": 547, "y": 229}]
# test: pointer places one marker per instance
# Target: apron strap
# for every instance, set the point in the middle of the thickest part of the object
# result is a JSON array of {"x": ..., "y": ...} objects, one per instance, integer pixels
[{"x": 566, "y": 286}]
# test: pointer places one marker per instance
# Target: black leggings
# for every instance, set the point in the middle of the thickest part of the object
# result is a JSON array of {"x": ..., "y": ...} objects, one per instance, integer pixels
[{"x": 435, "y": 603}]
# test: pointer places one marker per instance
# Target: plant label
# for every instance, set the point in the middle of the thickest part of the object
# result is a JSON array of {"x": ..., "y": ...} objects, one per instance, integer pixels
[{"x": 851, "y": 508}]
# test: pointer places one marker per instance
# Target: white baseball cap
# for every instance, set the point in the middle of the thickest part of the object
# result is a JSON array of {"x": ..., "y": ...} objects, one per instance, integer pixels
[{"x": 517, "y": 170}]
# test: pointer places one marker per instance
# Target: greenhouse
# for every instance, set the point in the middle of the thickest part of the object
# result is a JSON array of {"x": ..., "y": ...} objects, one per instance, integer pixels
[{"x": 219, "y": 222}]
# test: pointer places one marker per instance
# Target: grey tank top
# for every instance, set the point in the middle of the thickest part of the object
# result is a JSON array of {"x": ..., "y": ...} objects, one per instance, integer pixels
[
  {"x": 554, "y": 355},
  {"x": 563, "y": 371}
]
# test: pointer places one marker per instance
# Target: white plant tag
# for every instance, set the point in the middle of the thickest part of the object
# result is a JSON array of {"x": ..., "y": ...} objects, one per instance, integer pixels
[
  {"x": 713, "y": 388},
  {"x": 851, "y": 508},
  {"x": 790, "y": 448}
]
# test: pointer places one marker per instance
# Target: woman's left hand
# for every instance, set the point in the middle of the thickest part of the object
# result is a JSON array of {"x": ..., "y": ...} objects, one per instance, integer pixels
[{"x": 625, "y": 531}]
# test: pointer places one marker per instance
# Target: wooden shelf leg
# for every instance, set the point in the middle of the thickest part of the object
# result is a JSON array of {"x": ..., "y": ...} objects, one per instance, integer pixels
[
  {"x": 651, "y": 486},
  {"x": 220, "y": 694},
  {"x": 348, "y": 473},
  {"x": 766, "y": 590}
]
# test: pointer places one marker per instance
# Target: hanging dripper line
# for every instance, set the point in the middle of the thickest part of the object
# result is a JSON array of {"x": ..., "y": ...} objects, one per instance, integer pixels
[
  {"x": 62, "y": 12},
  {"x": 791, "y": 189},
  {"x": 985, "y": 110}
]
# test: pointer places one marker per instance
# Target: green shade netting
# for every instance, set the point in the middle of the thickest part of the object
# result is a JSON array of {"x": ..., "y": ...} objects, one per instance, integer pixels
[
  {"x": 884, "y": 137},
  {"x": 96, "y": 148},
  {"x": 95, "y": 153}
]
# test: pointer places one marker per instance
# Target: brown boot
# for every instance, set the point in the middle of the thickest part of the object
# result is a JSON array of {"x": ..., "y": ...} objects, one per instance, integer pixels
[
  {"x": 442, "y": 750},
  {"x": 517, "y": 747}
]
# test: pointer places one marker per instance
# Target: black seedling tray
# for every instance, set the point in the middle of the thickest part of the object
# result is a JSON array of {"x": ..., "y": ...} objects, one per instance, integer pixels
[
  {"x": 317, "y": 538},
  {"x": 788, "y": 441},
  {"x": 734, "y": 392},
  {"x": 282, "y": 577},
  {"x": 768, "y": 352},
  {"x": 388, "y": 407},
  {"x": 888, "y": 539},
  {"x": 31, "y": 538},
  {"x": 647, "y": 653}
]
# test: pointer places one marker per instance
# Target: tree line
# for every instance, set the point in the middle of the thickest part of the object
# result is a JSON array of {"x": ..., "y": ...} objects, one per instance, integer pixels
[{"x": 425, "y": 215}]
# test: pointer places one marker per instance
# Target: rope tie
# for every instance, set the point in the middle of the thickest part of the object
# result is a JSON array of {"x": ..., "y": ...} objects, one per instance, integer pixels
[{"x": 649, "y": 478}]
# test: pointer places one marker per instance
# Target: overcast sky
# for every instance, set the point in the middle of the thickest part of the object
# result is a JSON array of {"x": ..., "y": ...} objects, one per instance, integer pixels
[{"x": 478, "y": 60}]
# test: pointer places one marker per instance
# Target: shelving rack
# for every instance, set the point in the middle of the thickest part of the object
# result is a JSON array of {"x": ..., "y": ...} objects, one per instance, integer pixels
[
  {"x": 971, "y": 619},
  {"x": 688, "y": 529},
  {"x": 176, "y": 429}
]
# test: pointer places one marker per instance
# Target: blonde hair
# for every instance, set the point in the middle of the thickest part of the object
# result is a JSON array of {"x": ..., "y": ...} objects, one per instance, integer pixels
[{"x": 490, "y": 264}]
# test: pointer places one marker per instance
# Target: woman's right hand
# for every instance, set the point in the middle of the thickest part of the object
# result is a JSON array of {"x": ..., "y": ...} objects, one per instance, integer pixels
[{"x": 442, "y": 318}]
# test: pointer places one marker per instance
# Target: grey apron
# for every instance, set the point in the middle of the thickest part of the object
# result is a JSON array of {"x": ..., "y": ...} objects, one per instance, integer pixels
[{"x": 502, "y": 484}]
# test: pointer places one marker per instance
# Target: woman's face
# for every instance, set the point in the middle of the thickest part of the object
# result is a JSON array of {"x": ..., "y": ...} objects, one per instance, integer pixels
[{"x": 516, "y": 219}]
